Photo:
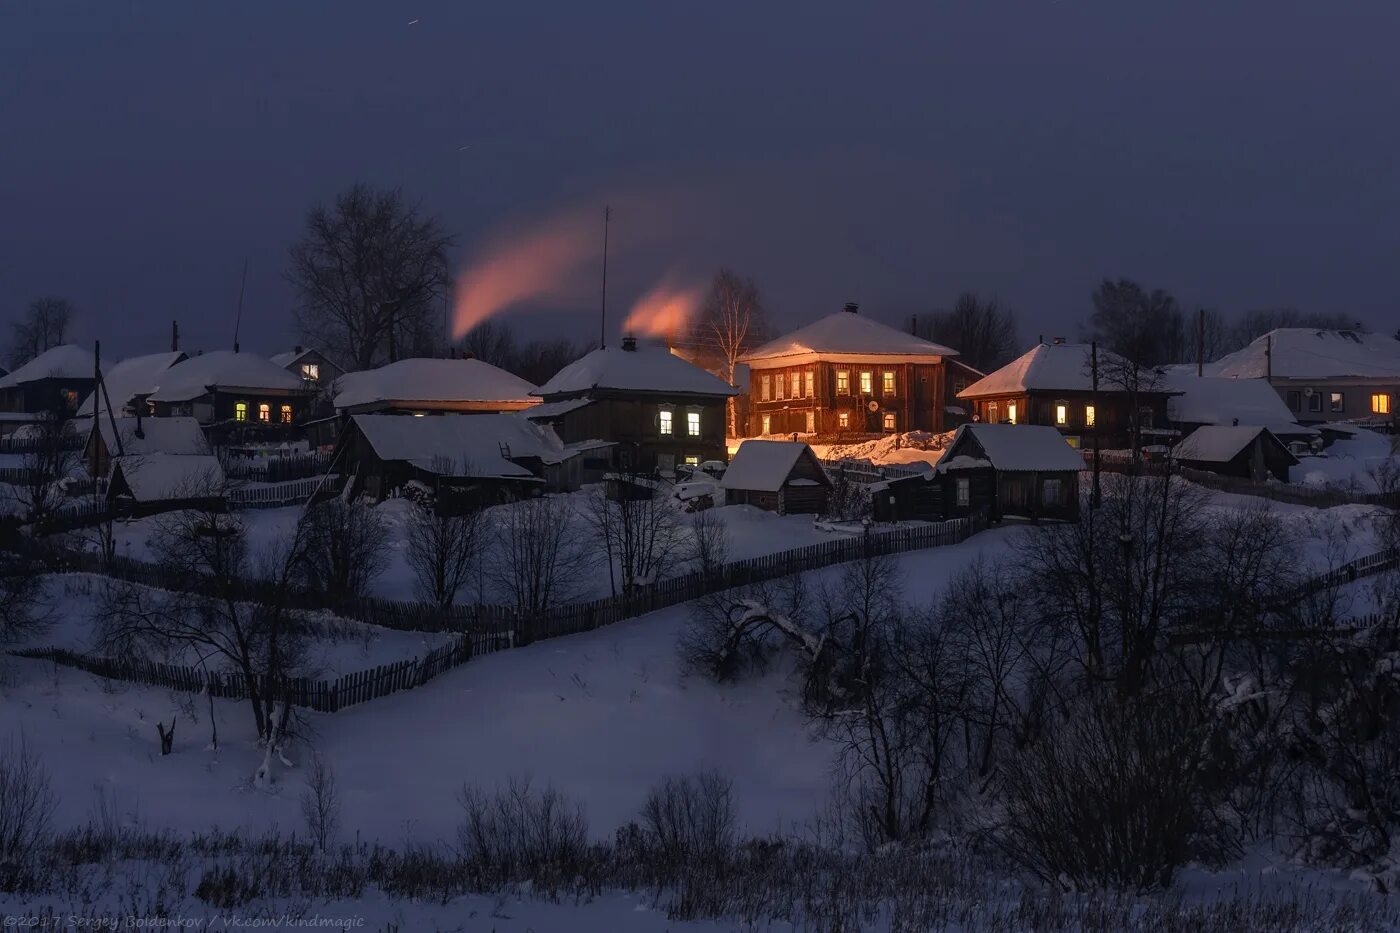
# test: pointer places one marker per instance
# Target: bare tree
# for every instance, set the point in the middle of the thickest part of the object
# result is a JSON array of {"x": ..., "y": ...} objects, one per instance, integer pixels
[
  {"x": 27, "y": 803},
  {"x": 49, "y": 459},
  {"x": 493, "y": 342},
  {"x": 371, "y": 275},
  {"x": 709, "y": 541},
  {"x": 983, "y": 331},
  {"x": 346, "y": 546},
  {"x": 1257, "y": 323},
  {"x": 320, "y": 804},
  {"x": 538, "y": 559},
  {"x": 443, "y": 551},
  {"x": 732, "y": 321},
  {"x": 44, "y": 327},
  {"x": 1143, "y": 327},
  {"x": 641, "y": 535}
]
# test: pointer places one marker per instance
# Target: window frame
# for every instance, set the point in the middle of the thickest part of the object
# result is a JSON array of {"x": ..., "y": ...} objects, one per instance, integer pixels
[
  {"x": 665, "y": 422},
  {"x": 887, "y": 382},
  {"x": 1011, "y": 412},
  {"x": 285, "y": 414},
  {"x": 1380, "y": 403},
  {"x": 843, "y": 419},
  {"x": 240, "y": 411},
  {"x": 867, "y": 382},
  {"x": 811, "y": 422},
  {"x": 692, "y": 424},
  {"x": 779, "y": 387},
  {"x": 1315, "y": 402},
  {"x": 1061, "y": 412},
  {"x": 809, "y": 379},
  {"x": 311, "y": 372},
  {"x": 888, "y": 422},
  {"x": 843, "y": 382},
  {"x": 962, "y": 491},
  {"x": 795, "y": 385},
  {"x": 1336, "y": 402},
  {"x": 766, "y": 424}
]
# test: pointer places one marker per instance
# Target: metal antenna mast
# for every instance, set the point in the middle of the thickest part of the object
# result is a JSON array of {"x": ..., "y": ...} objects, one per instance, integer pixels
[
  {"x": 603, "y": 314},
  {"x": 238, "y": 321}
]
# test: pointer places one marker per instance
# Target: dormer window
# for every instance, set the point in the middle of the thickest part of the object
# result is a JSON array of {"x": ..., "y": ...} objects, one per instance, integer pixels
[{"x": 311, "y": 372}]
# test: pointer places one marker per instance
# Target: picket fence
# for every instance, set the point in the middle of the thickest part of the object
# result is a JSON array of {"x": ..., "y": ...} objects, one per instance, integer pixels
[
  {"x": 326, "y": 696},
  {"x": 277, "y": 469},
  {"x": 278, "y": 495}
]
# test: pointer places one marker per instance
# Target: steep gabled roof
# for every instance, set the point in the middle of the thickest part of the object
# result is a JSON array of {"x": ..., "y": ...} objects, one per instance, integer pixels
[
  {"x": 765, "y": 465},
  {"x": 153, "y": 477},
  {"x": 1221, "y": 444},
  {"x": 645, "y": 369},
  {"x": 68, "y": 361},
  {"x": 1306, "y": 353},
  {"x": 1012, "y": 447},
  {"x": 846, "y": 336},
  {"x": 133, "y": 376},
  {"x": 462, "y": 445},
  {"x": 157, "y": 436},
  {"x": 432, "y": 380},
  {"x": 1046, "y": 367},
  {"x": 223, "y": 369}
]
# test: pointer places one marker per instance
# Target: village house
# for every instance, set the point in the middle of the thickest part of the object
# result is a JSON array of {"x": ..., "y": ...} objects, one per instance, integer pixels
[
  {"x": 317, "y": 371},
  {"x": 1244, "y": 451},
  {"x": 150, "y": 483},
  {"x": 849, "y": 374},
  {"x": 128, "y": 384},
  {"x": 236, "y": 397},
  {"x": 422, "y": 386},
  {"x": 54, "y": 382},
  {"x": 1052, "y": 385},
  {"x": 1006, "y": 470},
  {"x": 653, "y": 409},
  {"x": 109, "y": 438},
  {"x": 1323, "y": 375},
  {"x": 1213, "y": 400},
  {"x": 466, "y": 462},
  {"x": 779, "y": 476}
]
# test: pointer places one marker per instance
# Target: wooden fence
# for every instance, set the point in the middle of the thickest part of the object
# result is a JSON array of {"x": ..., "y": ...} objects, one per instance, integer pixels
[
  {"x": 1295, "y": 494},
  {"x": 30, "y": 445},
  {"x": 326, "y": 696},
  {"x": 278, "y": 469},
  {"x": 866, "y": 472},
  {"x": 278, "y": 495}
]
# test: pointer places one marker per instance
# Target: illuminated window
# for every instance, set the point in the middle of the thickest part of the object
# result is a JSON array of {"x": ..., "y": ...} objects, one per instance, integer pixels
[
  {"x": 1380, "y": 404},
  {"x": 1339, "y": 402},
  {"x": 811, "y": 422},
  {"x": 964, "y": 492},
  {"x": 1062, "y": 413},
  {"x": 778, "y": 383},
  {"x": 1072, "y": 441},
  {"x": 796, "y": 385},
  {"x": 264, "y": 411},
  {"x": 1011, "y": 412},
  {"x": 664, "y": 421},
  {"x": 843, "y": 382},
  {"x": 286, "y": 414},
  {"x": 1089, "y": 415},
  {"x": 311, "y": 371},
  {"x": 692, "y": 461},
  {"x": 887, "y": 382},
  {"x": 843, "y": 419},
  {"x": 240, "y": 411},
  {"x": 811, "y": 378},
  {"x": 764, "y": 385},
  {"x": 992, "y": 413},
  {"x": 692, "y": 423},
  {"x": 889, "y": 421},
  {"x": 867, "y": 383},
  {"x": 767, "y": 424}
]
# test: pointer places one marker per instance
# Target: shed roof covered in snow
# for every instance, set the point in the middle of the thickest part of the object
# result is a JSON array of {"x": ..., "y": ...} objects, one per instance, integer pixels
[
  {"x": 133, "y": 376},
  {"x": 222, "y": 369},
  {"x": 1048, "y": 367},
  {"x": 1305, "y": 353},
  {"x": 68, "y": 361},
  {"x": 154, "y": 477},
  {"x": 644, "y": 369},
  {"x": 846, "y": 336},
  {"x": 1215, "y": 400},
  {"x": 156, "y": 435},
  {"x": 466, "y": 385},
  {"x": 1011, "y": 447},
  {"x": 461, "y": 445},
  {"x": 1215, "y": 443},
  {"x": 764, "y": 466}
]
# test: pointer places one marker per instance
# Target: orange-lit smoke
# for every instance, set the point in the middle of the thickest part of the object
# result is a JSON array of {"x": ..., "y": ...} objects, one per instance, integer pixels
[
  {"x": 665, "y": 311},
  {"x": 557, "y": 260}
]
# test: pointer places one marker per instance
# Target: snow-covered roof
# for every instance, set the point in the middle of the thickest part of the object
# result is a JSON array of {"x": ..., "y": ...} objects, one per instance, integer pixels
[
  {"x": 68, "y": 361},
  {"x": 288, "y": 357},
  {"x": 465, "y": 445},
  {"x": 847, "y": 336},
  {"x": 152, "y": 477},
  {"x": 133, "y": 376},
  {"x": 1046, "y": 367},
  {"x": 547, "y": 410},
  {"x": 158, "y": 436},
  {"x": 1013, "y": 447},
  {"x": 1305, "y": 353},
  {"x": 1215, "y": 443},
  {"x": 763, "y": 465},
  {"x": 1215, "y": 400},
  {"x": 468, "y": 383},
  {"x": 223, "y": 369},
  {"x": 645, "y": 369}
]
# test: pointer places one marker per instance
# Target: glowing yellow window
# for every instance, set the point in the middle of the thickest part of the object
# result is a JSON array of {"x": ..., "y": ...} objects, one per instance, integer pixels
[
  {"x": 1380, "y": 404},
  {"x": 767, "y": 424},
  {"x": 1089, "y": 415},
  {"x": 765, "y": 391},
  {"x": 843, "y": 420},
  {"x": 240, "y": 411},
  {"x": 796, "y": 385},
  {"x": 811, "y": 383},
  {"x": 692, "y": 423},
  {"x": 889, "y": 421},
  {"x": 664, "y": 422},
  {"x": 286, "y": 414},
  {"x": 887, "y": 382},
  {"x": 867, "y": 383},
  {"x": 843, "y": 382},
  {"x": 264, "y": 411},
  {"x": 1061, "y": 413},
  {"x": 1011, "y": 412}
]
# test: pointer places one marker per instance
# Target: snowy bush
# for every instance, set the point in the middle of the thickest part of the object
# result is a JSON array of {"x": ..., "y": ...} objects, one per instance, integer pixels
[
  {"x": 26, "y": 809},
  {"x": 521, "y": 833}
]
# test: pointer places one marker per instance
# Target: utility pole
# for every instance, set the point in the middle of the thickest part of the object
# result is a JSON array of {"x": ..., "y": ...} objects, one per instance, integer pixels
[
  {"x": 1094, "y": 400},
  {"x": 238, "y": 319},
  {"x": 1201, "y": 343},
  {"x": 603, "y": 312}
]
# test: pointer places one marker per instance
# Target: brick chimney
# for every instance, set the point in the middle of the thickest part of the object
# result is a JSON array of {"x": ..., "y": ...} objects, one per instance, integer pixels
[{"x": 629, "y": 343}]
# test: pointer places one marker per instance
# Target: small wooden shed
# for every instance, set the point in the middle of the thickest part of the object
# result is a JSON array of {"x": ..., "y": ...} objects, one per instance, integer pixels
[
  {"x": 1245, "y": 451},
  {"x": 781, "y": 476}
]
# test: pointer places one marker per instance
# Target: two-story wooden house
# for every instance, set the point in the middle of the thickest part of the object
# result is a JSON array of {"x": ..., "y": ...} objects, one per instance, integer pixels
[
  {"x": 1052, "y": 384},
  {"x": 655, "y": 410},
  {"x": 848, "y": 374}
]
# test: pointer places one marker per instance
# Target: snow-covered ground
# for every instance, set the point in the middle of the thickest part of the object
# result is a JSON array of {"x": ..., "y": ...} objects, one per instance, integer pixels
[
  {"x": 913, "y": 447},
  {"x": 1349, "y": 463}
]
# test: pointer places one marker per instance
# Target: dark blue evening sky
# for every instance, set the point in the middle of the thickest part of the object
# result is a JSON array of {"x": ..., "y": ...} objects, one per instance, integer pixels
[{"x": 1241, "y": 154}]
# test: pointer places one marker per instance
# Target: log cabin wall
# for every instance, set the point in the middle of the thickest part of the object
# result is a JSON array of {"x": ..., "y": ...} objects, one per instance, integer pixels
[{"x": 915, "y": 394}]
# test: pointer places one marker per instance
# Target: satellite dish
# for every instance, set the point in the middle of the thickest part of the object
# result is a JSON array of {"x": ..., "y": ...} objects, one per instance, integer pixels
[
  {"x": 873, "y": 405},
  {"x": 1308, "y": 392}
]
